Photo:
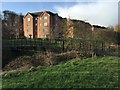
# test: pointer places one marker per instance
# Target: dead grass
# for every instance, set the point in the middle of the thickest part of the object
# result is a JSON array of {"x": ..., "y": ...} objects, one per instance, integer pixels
[{"x": 38, "y": 59}]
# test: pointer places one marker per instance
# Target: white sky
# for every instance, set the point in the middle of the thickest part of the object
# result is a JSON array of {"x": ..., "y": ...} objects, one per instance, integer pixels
[{"x": 101, "y": 12}]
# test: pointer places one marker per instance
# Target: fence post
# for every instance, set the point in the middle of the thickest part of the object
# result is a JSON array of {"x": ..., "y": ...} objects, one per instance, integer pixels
[
  {"x": 109, "y": 48},
  {"x": 102, "y": 46},
  {"x": 63, "y": 45},
  {"x": 79, "y": 46},
  {"x": 90, "y": 45}
]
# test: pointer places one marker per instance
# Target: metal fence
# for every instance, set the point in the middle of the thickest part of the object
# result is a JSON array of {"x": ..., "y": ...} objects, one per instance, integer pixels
[{"x": 63, "y": 45}]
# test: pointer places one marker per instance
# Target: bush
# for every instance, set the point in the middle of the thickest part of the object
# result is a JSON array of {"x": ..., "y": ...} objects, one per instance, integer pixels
[
  {"x": 66, "y": 56},
  {"x": 38, "y": 59},
  {"x": 23, "y": 61}
]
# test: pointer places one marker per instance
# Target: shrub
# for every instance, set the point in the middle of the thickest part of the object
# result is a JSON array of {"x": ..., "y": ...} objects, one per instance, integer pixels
[
  {"x": 23, "y": 61},
  {"x": 38, "y": 59},
  {"x": 66, "y": 56}
]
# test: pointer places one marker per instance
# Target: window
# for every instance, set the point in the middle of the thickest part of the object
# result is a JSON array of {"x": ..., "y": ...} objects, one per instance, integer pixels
[
  {"x": 28, "y": 25},
  {"x": 44, "y": 36},
  {"x": 17, "y": 34},
  {"x": 44, "y": 30},
  {"x": 45, "y": 17},
  {"x": 16, "y": 29},
  {"x": 15, "y": 22},
  {"x": 45, "y": 23},
  {"x": 28, "y": 30},
  {"x": 40, "y": 24},
  {"x": 35, "y": 18},
  {"x": 28, "y": 19}
]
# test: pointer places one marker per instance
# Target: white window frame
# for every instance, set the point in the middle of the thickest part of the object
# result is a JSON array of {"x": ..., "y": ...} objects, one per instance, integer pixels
[
  {"x": 45, "y": 17},
  {"x": 28, "y": 19},
  {"x": 45, "y": 30},
  {"x": 45, "y": 23},
  {"x": 28, "y": 30},
  {"x": 28, "y": 25}
]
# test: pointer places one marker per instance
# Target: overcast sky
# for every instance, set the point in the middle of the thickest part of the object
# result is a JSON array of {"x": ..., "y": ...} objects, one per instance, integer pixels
[
  {"x": 99, "y": 12},
  {"x": 102, "y": 13}
]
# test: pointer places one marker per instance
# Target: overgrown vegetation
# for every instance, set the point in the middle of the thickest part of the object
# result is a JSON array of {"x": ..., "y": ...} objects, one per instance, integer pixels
[
  {"x": 39, "y": 59},
  {"x": 82, "y": 30},
  {"x": 96, "y": 72},
  {"x": 15, "y": 48}
]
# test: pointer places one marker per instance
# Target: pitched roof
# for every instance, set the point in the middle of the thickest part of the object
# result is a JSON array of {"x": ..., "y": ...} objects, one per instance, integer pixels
[
  {"x": 50, "y": 13},
  {"x": 35, "y": 14},
  {"x": 80, "y": 21},
  {"x": 102, "y": 27}
]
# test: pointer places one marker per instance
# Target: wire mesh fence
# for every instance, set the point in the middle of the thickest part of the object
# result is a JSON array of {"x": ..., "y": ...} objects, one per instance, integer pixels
[{"x": 62, "y": 45}]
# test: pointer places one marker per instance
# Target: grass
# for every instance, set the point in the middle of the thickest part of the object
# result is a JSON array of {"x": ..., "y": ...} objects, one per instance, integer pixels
[{"x": 96, "y": 72}]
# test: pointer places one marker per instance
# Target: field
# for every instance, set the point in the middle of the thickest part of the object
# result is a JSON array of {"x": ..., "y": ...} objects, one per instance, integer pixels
[{"x": 95, "y": 72}]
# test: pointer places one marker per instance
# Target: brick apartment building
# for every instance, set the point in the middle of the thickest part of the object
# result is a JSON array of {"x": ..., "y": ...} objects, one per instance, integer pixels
[
  {"x": 49, "y": 25},
  {"x": 42, "y": 25}
]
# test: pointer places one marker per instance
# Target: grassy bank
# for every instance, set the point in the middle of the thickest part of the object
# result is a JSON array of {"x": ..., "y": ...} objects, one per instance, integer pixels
[{"x": 97, "y": 72}]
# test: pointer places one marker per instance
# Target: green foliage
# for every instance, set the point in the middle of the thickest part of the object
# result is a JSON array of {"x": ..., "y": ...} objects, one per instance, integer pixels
[{"x": 96, "y": 72}]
